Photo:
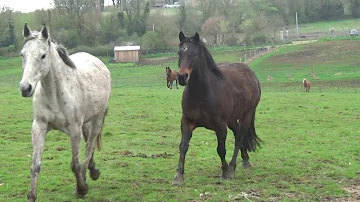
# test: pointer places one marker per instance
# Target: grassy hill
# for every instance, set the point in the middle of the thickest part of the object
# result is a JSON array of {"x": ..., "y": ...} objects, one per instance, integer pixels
[
  {"x": 324, "y": 26},
  {"x": 326, "y": 63}
]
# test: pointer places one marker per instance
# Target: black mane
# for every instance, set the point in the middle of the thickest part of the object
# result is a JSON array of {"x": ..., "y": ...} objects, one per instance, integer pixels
[{"x": 209, "y": 59}]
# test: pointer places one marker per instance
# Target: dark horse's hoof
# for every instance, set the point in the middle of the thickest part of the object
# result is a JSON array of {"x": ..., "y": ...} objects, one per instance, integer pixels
[
  {"x": 231, "y": 172},
  {"x": 94, "y": 174},
  {"x": 226, "y": 176},
  {"x": 31, "y": 197},
  {"x": 246, "y": 164},
  {"x": 178, "y": 179},
  {"x": 80, "y": 193}
]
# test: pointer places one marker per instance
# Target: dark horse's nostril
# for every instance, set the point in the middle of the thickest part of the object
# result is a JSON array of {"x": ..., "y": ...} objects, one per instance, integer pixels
[{"x": 183, "y": 79}]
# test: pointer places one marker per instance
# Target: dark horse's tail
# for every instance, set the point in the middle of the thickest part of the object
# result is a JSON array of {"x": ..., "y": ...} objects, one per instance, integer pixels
[{"x": 250, "y": 140}]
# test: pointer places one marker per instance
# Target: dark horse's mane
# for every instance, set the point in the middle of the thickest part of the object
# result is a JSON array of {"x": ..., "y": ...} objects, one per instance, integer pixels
[
  {"x": 64, "y": 55},
  {"x": 209, "y": 59}
]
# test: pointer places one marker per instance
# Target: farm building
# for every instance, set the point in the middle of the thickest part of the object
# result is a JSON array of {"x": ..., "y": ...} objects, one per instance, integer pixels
[{"x": 126, "y": 53}]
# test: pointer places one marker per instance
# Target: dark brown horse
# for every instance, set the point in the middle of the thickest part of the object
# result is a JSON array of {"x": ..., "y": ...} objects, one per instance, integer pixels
[
  {"x": 170, "y": 77},
  {"x": 307, "y": 85},
  {"x": 216, "y": 98}
]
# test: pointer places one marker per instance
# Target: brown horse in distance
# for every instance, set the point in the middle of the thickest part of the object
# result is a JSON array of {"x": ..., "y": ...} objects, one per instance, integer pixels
[
  {"x": 307, "y": 85},
  {"x": 170, "y": 77},
  {"x": 216, "y": 96}
]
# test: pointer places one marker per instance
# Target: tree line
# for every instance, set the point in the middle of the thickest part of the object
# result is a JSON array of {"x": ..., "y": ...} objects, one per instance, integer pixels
[{"x": 89, "y": 24}]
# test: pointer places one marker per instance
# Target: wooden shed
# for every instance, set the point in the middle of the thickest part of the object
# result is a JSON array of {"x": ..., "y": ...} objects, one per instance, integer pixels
[{"x": 126, "y": 53}]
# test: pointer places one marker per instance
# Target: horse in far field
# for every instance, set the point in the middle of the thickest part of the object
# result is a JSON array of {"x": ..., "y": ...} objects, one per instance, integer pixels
[
  {"x": 307, "y": 85},
  {"x": 170, "y": 77}
]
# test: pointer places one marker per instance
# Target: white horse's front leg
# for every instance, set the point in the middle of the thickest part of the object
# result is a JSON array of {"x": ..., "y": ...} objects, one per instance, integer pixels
[
  {"x": 38, "y": 133},
  {"x": 75, "y": 133}
]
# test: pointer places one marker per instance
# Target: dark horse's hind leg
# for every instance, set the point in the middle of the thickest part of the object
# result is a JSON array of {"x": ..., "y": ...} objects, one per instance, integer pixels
[
  {"x": 94, "y": 172},
  {"x": 221, "y": 132},
  {"x": 235, "y": 127},
  {"x": 186, "y": 134},
  {"x": 176, "y": 83},
  {"x": 240, "y": 131}
]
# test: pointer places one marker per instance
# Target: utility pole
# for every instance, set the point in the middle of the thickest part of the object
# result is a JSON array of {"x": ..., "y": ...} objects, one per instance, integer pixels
[{"x": 297, "y": 25}]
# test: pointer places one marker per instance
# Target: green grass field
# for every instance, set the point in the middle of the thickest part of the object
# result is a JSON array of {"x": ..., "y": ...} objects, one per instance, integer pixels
[{"x": 310, "y": 149}]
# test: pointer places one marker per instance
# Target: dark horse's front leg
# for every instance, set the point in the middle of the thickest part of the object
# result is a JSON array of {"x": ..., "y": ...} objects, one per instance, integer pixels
[
  {"x": 221, "y": 133},
  {"x": 186, "y": 134}
]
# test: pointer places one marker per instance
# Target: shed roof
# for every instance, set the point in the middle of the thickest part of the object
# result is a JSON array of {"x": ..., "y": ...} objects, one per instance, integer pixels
[{"x": 126, "y": 48}]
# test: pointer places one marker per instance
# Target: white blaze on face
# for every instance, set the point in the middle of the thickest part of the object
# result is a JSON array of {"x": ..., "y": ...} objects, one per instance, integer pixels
[
  {"x": 304, "y": 80},
  {"x": 184, "y": 48}
]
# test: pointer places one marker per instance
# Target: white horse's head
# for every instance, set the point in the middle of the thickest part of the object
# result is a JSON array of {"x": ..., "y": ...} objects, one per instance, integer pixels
[
  {"x": 304, "y": 80},
  {"x": 35, "y": 59}
]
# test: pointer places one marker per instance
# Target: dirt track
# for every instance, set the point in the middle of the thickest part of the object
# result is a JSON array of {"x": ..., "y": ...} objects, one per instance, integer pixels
[{"x": 156, "y": 61}]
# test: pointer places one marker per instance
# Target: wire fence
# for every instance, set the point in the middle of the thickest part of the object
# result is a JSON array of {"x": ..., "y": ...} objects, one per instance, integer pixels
[
  {"x": 250, "y": 51},
  {"x": 159, "y": 81}
]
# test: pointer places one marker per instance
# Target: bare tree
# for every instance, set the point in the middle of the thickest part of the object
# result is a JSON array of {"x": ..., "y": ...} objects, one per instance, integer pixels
[
  {"x": 137, "y": 12},
  {"x": 102, "y": 5},
  {"x": 76, "y": 9},
  {"x": 182, "y": 17},
  {"x": 208, "y": 8}
]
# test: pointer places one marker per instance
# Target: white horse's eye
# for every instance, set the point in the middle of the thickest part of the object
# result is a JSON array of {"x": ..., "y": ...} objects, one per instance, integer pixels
[
  {"x": 21, "y": 55},
  {"x": 42, "y": 57}
]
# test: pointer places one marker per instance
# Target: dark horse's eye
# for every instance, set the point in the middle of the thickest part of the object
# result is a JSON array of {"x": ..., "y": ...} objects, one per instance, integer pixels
[{"x": 42, "y": 57}]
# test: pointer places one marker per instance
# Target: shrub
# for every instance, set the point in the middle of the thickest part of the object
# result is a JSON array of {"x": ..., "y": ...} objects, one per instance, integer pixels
[
  {"x": 231, "y": 41},
  {"x": 107, "y": 50},
  {"x": 152, "y": 41}
]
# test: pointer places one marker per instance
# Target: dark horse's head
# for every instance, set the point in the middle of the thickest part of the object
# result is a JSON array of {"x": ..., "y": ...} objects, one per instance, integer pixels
[
  {"x": 188, "y": 51},
  {"x": 193, "y": 56}
]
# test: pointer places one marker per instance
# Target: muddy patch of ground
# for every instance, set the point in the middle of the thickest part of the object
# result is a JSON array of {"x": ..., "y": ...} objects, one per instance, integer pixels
[
  {"x": 156, "y": 61},
  {"x": 330, "y": 52}
]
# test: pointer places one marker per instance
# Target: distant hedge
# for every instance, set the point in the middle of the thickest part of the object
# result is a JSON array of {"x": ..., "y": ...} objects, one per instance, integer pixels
[{"x": 107, "y": 50}]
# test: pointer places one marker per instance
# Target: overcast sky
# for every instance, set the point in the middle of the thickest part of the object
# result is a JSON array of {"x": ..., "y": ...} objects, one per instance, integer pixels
[{"x": 31, "y": 5}]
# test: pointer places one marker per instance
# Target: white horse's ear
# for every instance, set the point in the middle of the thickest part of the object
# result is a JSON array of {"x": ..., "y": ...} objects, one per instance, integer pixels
[
  {"x": 26, "y": 31},
  {"x": 44, "y": 32}
]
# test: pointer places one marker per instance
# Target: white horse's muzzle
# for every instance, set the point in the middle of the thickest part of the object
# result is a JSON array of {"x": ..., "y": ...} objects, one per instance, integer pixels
[{"x": 26, "y": 89}]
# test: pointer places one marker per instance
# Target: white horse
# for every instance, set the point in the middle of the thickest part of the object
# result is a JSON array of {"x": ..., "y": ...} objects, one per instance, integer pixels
[{"x": 71, "y": 94}]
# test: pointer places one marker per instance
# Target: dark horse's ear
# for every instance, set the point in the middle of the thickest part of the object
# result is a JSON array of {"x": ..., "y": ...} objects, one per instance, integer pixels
[
  {"x": 26, "y": 31},
  {"x": 196, "y": 37},
  {"x": 45, "y": 32},
  {"x": 181, "y": 36}
]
